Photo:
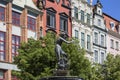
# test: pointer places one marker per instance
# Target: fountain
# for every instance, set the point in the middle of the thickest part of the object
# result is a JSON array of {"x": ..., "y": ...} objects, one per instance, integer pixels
[{"x": 61, "y": 73}]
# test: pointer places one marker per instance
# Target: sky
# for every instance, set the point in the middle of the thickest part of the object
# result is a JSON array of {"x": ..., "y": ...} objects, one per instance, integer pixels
[{"x": 111, "y": 7}]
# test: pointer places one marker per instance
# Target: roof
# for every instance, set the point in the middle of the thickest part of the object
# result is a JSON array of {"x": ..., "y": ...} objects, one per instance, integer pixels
[
  {"x": 111, "y": 17},
  {"x": 115, "y": 34}
]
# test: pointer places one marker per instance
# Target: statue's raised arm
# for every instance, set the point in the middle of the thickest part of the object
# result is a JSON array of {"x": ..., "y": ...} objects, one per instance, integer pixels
[{"x": 66, "y": 40}]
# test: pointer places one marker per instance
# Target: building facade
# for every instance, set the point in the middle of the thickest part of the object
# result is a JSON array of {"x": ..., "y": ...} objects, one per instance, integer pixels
[
  {"x": 57, "y": 16},
  {"x": 99, "y": 34},
  {"x": 19, "y": 20},
  {"x": 82, "y": 25},
  {"x": 113, "y": 34}
]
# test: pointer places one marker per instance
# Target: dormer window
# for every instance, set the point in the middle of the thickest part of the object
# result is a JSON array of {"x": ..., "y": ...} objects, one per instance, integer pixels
[
  {"x": 99, "y": 22},
  {"x": 112, "y": 25},
  {"x": 99, "y": 11}
]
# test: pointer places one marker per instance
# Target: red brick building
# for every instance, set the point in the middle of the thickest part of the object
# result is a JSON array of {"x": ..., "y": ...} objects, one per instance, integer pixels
[
  {"x": 57, "y": 16},
  {"x": 19, "y": 20}
]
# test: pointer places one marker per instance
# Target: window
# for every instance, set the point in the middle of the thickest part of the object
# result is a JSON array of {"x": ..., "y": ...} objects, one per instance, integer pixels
[
  {"x": 76, "y": 34},
  {"x": 99, "y": 11},
  {"x": 112, "y": 25},
  {"x": 2, "y": 46},
  {"x": 102, "y": 40},
  {"x": 102, "y": 57},
  {"x": 96, "y": 56},
  {"x": 76, "y": 12},
  {"x": 51, "y": 19},
  {"x": 63, "y": 1},
  {"x": 95, "y": 37},
  {"x": 2, "y": 13},
  {"x": 16, "y": 18},
  {"x": 112, "y": 43},
  {"x": 88, "y": 42},
  {"x": 117, "y": 45},
  {"x": 82, "y": 40},
  {"x": 82, "y": 15},
  {"x": 88, "y": 18},
  {"x": 31, "y": 23},
  {"x": 1, "y": 75},
  {"x": 99, "y": 22},
  {"x": 15, "y": 45},
  {"x": 63, "y": 24}
]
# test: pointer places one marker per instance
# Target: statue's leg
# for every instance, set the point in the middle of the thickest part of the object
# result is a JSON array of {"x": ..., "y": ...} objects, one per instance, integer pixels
[
  {"x": 65, "y": 60},
  {"x": 57, "y": 50}
]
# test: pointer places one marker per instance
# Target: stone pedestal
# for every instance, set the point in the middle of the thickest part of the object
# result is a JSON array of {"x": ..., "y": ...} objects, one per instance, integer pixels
[
  {"x": 60, "y": 72},
  {"x": 61, "y": 78},
  {"x": 61, "y": 75}
]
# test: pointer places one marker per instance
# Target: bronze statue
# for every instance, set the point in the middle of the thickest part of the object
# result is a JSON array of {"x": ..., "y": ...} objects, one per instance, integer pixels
[{"x": 61, "y": 55}]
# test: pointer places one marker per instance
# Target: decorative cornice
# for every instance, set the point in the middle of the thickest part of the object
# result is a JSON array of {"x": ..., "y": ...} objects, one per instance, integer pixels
[
  {"x": 79, "y": 21},
  {"x": 51, "y": 9},
  {"x": 33, "y": 10},
  {"x": 105, "y": 30},
  {"x": 63, "y": 5},
  {"x": 64, "y": 14},
  {"x": 99, "y": 45},
  {"x": 8, "y": 0},
  {"x": 98, "y": 15}
]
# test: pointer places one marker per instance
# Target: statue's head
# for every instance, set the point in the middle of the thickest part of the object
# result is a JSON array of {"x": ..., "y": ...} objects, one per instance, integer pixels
[{"x": 63, "y": 35}]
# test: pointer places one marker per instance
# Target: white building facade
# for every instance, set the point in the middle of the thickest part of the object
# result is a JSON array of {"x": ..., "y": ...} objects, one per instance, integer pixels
[
  {"x": 99, "y": 34},
  {"x": 82, "y": 25}
]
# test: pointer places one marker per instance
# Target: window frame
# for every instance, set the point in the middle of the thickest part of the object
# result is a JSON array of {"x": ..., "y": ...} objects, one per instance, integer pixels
[
  {"x": 53, "y": 16},
  {"x": 102, "y": 40},
  {"x": 83, "y": 40},
  {"x": 102, "y": 57},
  {"x": 16, "y": 46},
  {"x": 88, "y": 42},
  {"x": 112, "y": 43},
  {"x": 82, "y": 16},
  {"x": 117, "y": 45},
  {"x": 16, "y": 18},
  {"x": 99, "y": 22},
  {"x": 65, "y": 27},
  {"x": 76, "y": 34},
  {"x": 4, "y": 52},
  {"x": 95, "y": 38},
  {"x": 31, "y": 23},
  {"x": 112, "y": 25},
  {"x": 96, "y": 58},
  {"x": 2, "y": 13},
  {"x": 88, "y": 18},
  {"x": 3, "y": 74},
  {"x": 75, "y": 12}
]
